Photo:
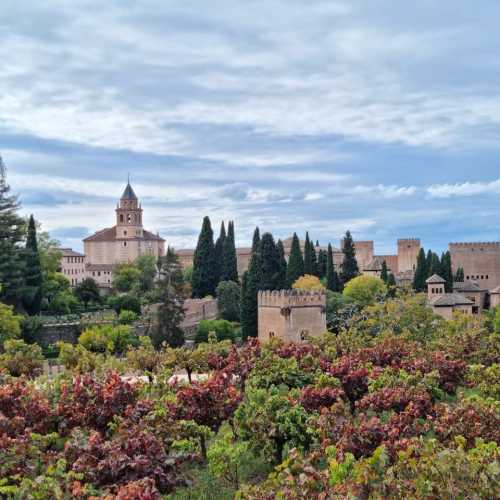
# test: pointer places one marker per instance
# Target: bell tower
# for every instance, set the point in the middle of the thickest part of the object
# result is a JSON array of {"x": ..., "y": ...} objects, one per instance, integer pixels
[{"x": 129, "y": 215}]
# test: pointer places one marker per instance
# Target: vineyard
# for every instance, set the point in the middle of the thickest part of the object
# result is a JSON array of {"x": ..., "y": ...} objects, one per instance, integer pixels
[{"x": 398, "y": 405}]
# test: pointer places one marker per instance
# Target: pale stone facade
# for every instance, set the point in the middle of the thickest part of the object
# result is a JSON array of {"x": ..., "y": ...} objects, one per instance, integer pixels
[
  {"x": 72, "y": 265},
  {"x": 445, "y": 304},
  {"x": 291, "y": 315},
  {"x": 122, "y": 243}
]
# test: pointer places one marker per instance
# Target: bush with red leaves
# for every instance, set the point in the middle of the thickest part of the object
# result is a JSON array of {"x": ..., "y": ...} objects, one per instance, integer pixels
[
  {"x": 24, "y": 409},
  {"x": 353, "y": 378},
  {"x": 93, "y": 403},
  {"x": 396, "y": 399},
  {"x": 313, "y": 399},
  {"x": 240, "y": 362}
]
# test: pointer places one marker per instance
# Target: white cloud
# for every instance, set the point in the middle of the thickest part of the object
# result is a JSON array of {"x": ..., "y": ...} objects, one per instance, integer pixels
[{"x": 464, "y": 189}]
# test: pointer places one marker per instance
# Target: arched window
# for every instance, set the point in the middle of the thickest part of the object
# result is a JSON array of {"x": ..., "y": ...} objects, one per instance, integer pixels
[{"x": 121, "y": 218}]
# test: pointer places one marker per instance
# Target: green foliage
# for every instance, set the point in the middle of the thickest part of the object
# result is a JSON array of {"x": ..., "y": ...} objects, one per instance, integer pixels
[
  {"x": 88, "y": 292},
  {"x": 126, "y": 278},
  {"x": 127, "y": 317},
  {"x": 228, "y": 300},
  {"x": 310, "y": 258},
  {"x": 446, "y": 272},
  {"x": 486, "y": 379},
  {"x": 146, "y": 264},
  {"x": 281, "y": 283},
  {"x": 219, "y": 252},
  {"x": 63, "y": 302},
  {"x": 33, "y": 279},
  {"x": 31, "y": 327},
  {"x": 20, "y": 358},
  {"x": 350, "y": 267},
  {"x": 365, "y": 290},
  {"x": 459, "y": 275},
  {"x": 229, "y": 271},
  {"x": 223, "y": 329},
  {"x": 384, "y": 274},
  {"x": 10, "y": 324},
  {"x": 124, "y": 302},
  {"x": 421, "y": 272},
  {"x": 249, "y": 291},
  {"x": 108, "y": 338},
  {"x": 332, "y": 278},
  {"x": 204, "y": 267},
  {"x": 295, "y": 267},
  {"x": 270, "y": 263},
  {"x": 308, "y": 282}
]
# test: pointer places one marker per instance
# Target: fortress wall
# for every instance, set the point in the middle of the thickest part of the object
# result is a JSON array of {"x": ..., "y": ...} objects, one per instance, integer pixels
[{"x": 408, "y": 250}]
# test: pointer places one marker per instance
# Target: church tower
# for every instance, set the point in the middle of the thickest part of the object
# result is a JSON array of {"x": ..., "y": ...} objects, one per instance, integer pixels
[{"x": 129, "y": 215}]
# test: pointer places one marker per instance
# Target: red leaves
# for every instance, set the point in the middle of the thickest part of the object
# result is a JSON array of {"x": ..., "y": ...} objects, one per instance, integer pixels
[
  {"x": 313, "y": 399},
  {"x": 397, "y": 399},
  {"x": 92, "y": 403}
]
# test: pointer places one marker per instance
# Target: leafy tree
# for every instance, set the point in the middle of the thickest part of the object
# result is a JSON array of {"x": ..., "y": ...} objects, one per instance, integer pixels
[
  {"x": 295, "y": 268},
  {"x": 219, "y": 252},
  {"x": 147, "y": 266},
  {"x": 125, "y": 302},
  {"x": 365, "y": 290},
  {"x": 446, "y": 272},
  {"x": 145, "y": 358},
  {"x": 332, "y": 277},
  {"x": 228, "y": 300},
  {"x": 391, "y": 285},
  {"x": 20, "y": 358},
  {"x": 230, "y": 263},
  {"x": 270, "y": 265},
  {"x": 126, "y": 277},
  {"x": 459, "y": 275},
  {"x": 115, "y": 339},
  {"x": 33, "y": 272},
  {"x": 308, "y": 282},
  {"x": 87, "y": 291},
  {"x": 421, "y": 272},
  {"x": 204, "y": 267},
  {"x": 249, "y": 299},
  {"x": 10, "y": 324},
  {"x": 349, "y": 265},
  {"x": 256, "y": 240},
  {"x": 127, "y": 317},
  {"x": 223, "y": 329},
  {"x": 384, "y": 274},
  {"x": 12, "y": 231},
  {"x": 322, "y": 263}
]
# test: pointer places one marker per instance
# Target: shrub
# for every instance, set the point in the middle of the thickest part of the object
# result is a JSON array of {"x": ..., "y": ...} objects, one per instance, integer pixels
[
  {"x": 308, "y": 282},
  {"x": 125, "y": 302},
  {"x": 20, "y": 358},
  {"x": 127, "y": 317},
  {"x": 10, "y": 324},
  {"x": 224, "y": 330},
  {"x": 31, "y": 327},
  {"x": 108, "y": 338},
  {"x": 365, "y": 290},
  {"x": 228, "y": 300}
]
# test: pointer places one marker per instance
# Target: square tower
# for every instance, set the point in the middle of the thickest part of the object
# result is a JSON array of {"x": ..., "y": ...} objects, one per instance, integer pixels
[
  {"x": 291, "y": 315},
  {"x": 408, "y": 250}
]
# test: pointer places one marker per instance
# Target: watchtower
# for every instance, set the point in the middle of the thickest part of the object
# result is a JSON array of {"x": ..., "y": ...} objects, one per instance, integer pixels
[{"x": 408, "y": 250}]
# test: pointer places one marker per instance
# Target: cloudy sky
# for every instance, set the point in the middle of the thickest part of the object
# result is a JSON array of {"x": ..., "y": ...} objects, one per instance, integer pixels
[{"x": 378, "y": 116}]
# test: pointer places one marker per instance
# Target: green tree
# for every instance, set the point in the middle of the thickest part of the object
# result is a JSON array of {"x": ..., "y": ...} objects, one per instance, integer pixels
[
  {"x": 223, "y": 329},
  {"x": 256, "y": 240},
  {"x": 281, "y": 279},
  {"x": 270, "y": 263},
  {"x": 391, "y": 285},
  {"x": 33, "y": 272},
  {"x": 12, "y": 231},
  {"x": 228, "y": 300},
  {"x": 309, "y": 256},
  {"x": 349, "y": 264},
  {"x": 332, "y": 277},
  {"x": 147, "y": 266},
  {"x": 322, "y": 263},
  {"x": 446, "y": 272},
  {"x": 421, "y": 273},
  {"x": 87, "y": 291},
  {"x": 10, "y": 324},
  {"x": 230, "y": 263},
  {"x": 249, "y": 300},
  {"x": 295, "y": 267},
  {"x": 365, "y": 290},
  {"x": 126, "y": 278},
  {"x": 219, "y": 252},
  {"x": 459, "y": 275},
  {"x": 204, "y": 272},
  {"x": 434, "y": 265},
  {"x": 384, "y": 274}
]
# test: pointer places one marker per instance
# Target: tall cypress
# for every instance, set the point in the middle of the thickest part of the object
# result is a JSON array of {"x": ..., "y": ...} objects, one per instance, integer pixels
[
  {"x": 229, "y": 261},
  {"x": 322, "y": 263},
  {"x": 384, "y": 273},
  {"x": 281, "y": 281},
  {"x": 349, "y": 265},
  {"x": 295, "y": 267},
  {"x": 219, "y": 252},
  {"x": 249, "y": 300},
  {"x": 332, "y": 278},
  {"x": 33, "y": 272},
  {"x": 204, "y": 277},
  {"x": 435, "y": 265},
  {"x": 308, "y": 256},
  {"x": 12, "y": 231},
  {"x": 446, "y": 271},
  {"x": 270, "y": 263},
  {"x": 256, "y": 240},
  {"x": 314, "y": 259},
  {"x": 420, "y": 272},
  {"x": 459, "y": 275}
]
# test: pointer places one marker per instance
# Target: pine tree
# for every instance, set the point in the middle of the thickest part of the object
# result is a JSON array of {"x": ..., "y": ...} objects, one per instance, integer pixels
[
  {"x": 219, "y": 253},
  {"x": 33, "y": 272},
  {"x": 420, "y": 272},
  {"x": 446, "y": 271},
  {"x": 281, "y": 281},
  {"x": 204, "y": 276},
  {"x": 249, "y": 300},
  {"x": 384, "y": 274},
  {"x": 270, "y": 263},
  {"x": 349, "y": 265},
  {"x": 322, "y": 263},
  {"x": 256, "y": 240},
  {"x": 308, "y": 256},
  {"x": 171, "y": 310},
  {"x": 230, "y": 263},
  {"x": 332, "y": 277},
  {"x": 12, "y": 231},
  {"x": 295, "y": 268},
  {"x": 459, "y": 275}
]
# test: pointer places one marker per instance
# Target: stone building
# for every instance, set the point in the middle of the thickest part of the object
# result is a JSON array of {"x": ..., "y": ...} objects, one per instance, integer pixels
[
  {"x": 72, "y": 265},
  {"x": 445, "y": 304},
  {"x": 474, "y": 292},
  {"x": 291, "y": 315},
  {"x": 121, "y": 243}
]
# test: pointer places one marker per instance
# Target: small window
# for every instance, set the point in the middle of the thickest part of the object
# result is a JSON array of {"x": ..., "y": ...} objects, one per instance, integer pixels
[
  {"x": 482, "y": 277},
  {"x": 124, "y": 243},
  {"x": 121, "y": 218},
  {"x": 487, "y": 277},
  {"x": 271, "y": 335}
]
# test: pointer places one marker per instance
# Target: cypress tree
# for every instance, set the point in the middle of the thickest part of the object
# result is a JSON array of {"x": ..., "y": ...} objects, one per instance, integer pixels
[
  {"x": 446, "y": 271},
  {"x": 314, "y": 258},
  {"x": 349, "y": 265},
  {"x": 204, "y": 277},
  {"x": 459, "y": 275},
  {"x": 249, "y": 300},
  {"x": 420, "y": 272},
  {"x": 384, "y": 274},
  {"x": 12, "y": 231},
  {"x": 270, "y": 263},
  {"x": 219, "y": 252},
  {"x": 428, "y": 263},
  {"x": 281, "y": 281},
  {"x": 295, "y": 268},
  {"x": 308, "y": 256},
  {"x": 33, "y": 272},
  {"x": 229, "y": 261},
  {"x": 435, "y": 266},
  {"x": 322, "y": 263},
  {"x": 256, "y": 240},
  {"x": 391, "y": 285},
  {"x": 332, "y": 277}
]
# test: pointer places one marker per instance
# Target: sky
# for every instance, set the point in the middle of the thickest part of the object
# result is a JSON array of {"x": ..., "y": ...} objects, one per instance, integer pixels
[{"x": 378, "y": 116}]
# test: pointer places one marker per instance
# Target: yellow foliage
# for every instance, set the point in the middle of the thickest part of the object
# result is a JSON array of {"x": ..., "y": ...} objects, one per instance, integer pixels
[{"x": 308, "y": 282}]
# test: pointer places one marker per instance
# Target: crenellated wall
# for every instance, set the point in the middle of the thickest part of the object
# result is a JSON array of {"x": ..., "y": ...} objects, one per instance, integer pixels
[{"x": 408, "y": 249}]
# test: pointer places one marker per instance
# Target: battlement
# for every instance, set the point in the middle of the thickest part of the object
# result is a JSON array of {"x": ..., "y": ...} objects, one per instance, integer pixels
[
  {"x": 292, "y": 298},
  {"x": 487, "y": 245},
  {"x": 409, "y": 241}
]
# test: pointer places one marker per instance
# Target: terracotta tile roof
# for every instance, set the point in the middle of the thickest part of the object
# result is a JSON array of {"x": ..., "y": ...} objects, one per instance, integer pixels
[
  {"x": 451, "y": 299},
  {"x": 69, "y": 252},
  {"x": 467, "y": 286},
  {"x": 109, "y": 234},
  {"x": 435, "y": 279},
  {"x": 99, "y": 267}
]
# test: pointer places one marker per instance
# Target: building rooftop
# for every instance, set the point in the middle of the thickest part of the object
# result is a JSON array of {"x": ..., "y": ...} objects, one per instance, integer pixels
[
  {"x": 435, "y": 279},
  {"x": 128, "y": 194},
  {"x": 451, "y": 299},
  {"x": 109, "y": 234},
  {"x": 468, "y": 286},
  {"x": 69, "y": 252}
]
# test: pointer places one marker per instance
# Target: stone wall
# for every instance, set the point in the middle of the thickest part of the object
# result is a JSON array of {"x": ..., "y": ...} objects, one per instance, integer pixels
[
  {"x": 408, "y": 250},
  {"x": 65, "y": 332}
]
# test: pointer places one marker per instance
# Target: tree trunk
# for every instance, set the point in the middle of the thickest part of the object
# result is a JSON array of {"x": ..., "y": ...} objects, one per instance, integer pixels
[{"x": 203, "y": 446}]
